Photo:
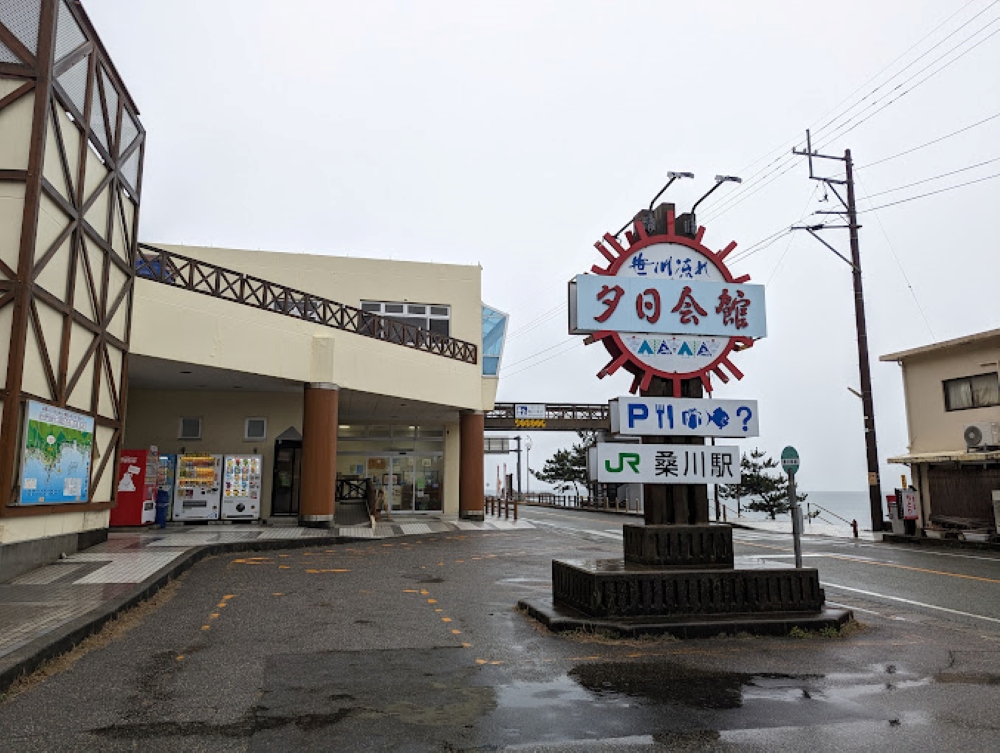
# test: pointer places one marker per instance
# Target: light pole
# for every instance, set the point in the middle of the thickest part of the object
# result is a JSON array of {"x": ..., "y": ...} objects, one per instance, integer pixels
[
  {"x": 527, "y": 462},
  {"x": 518, "y": 440}
]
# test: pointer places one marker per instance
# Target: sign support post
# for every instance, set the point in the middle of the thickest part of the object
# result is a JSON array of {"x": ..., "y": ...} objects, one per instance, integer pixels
[
  {"x": 796, "y": 521},
  {"x": 790, "y": 462}
]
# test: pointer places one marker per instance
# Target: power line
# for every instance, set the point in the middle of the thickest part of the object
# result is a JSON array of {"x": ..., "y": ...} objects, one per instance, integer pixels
[
  {"x": 840, "y": 129},
  {"x": 935, "y": 141},
  {"x": 782, "y": 150},
  {"x": 539, "y": 363},
  {"x": 932, "y": 193},
  {"x": 737, "y": 198},
  {"x": 540, "y": 352},
  {"x": 781, "y": 258},
  {"x": 792, "y": 238},
  {"x": 928, "y": 66},
  {"x": 900, "y": 57},
  {"x": 538, "y": 321},
  {"x": 935, "y": 177},
  {"x": 899, "y": 264}
]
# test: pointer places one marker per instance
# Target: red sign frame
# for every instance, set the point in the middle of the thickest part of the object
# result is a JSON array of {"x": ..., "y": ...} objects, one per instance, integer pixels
[{"x": 617, "y": 255}]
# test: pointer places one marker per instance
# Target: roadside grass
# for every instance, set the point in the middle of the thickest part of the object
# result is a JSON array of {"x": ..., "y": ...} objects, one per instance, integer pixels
[
  {"x": 111, "y": 631},
  {"x": 849, "y": 628}
]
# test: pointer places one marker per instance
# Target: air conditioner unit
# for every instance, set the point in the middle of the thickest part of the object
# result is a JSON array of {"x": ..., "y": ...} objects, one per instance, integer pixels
[{"x": 981, "y": 436}]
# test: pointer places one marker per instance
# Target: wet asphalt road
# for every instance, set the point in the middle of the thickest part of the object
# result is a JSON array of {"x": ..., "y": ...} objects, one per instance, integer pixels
[
  {"x": 414, "y": 644},
  {"x": 962, "y": 586}
]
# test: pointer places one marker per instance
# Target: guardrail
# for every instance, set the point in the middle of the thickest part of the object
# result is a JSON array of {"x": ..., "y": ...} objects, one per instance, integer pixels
[{"x": 180, "y": 271}]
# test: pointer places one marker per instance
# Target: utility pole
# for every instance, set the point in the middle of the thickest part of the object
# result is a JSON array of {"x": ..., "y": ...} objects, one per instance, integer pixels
[{"x": 864, "y": 369}]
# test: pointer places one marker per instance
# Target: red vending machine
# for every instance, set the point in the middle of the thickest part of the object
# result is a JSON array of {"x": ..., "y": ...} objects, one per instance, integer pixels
[{"x": 137, "y": 473}]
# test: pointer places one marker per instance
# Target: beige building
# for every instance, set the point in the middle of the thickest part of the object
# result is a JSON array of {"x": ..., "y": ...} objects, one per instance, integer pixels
[
  {"x": 330, "y": 370},
  {"x": 215, "y": 363},
  {"x": 952, "y": 399}
]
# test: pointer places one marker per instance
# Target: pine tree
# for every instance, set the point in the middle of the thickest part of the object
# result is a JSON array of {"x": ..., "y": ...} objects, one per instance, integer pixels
[
  {"x": 568, "y": 468},
  {"x": 766, "y": 491}
]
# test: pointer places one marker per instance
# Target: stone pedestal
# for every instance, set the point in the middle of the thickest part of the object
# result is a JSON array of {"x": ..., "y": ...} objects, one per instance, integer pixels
[
  {"x": 680, "y": 579},
  {"x": 615, "y": 588},
  {"x": 703, "y": 546}
]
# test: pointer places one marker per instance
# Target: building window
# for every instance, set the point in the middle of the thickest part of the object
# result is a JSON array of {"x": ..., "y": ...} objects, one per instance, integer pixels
[
  {"x": 971, "y": 392},
  {"x": 190, "y": 428},
  {"x": 255, "y": 430},
  {"x": 494, "y": 334},
  {"x": 426, "y": 316}
]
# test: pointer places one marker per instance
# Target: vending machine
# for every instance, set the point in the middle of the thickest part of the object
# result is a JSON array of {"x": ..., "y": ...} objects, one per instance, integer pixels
[
  {"x": 165, "y": 480},
  {"x": 136, "y": 488},
  {"x": 197, "y": 487},
  {"x": 241, "y": 487}
]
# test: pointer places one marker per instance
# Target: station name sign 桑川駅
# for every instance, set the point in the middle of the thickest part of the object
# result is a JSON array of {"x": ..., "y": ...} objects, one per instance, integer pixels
[
  {"x": 683, "y": 417},
  {"x": 667, "y": 464}
]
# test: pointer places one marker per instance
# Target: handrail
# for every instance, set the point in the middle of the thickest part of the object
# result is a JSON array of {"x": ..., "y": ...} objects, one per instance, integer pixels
[
  {"x": 828, "y": 512},
  {"x": 180, "y": 271}
]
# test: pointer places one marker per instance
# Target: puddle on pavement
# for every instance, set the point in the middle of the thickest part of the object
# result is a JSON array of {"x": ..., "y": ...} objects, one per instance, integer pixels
[
  {"x": 658, "y": 699},
  {"x": 562, "y": 691},
  {"x": 673, "y": 685}
]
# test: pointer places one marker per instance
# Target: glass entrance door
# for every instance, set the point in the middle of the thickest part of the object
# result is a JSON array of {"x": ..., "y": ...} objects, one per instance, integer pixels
[
  {"x": 409, "y": 483},
  {"x": 402, "y": 484},
  {"x": 427, "y": 494}
]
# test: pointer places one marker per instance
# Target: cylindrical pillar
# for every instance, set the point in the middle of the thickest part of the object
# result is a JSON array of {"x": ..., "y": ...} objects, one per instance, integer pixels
[
  {"x": 470, "y": 482},
  {"x": 317, "y": 500}
]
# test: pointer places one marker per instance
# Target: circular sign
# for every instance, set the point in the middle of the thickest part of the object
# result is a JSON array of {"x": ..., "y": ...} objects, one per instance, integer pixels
[
  {"x": 668, "y": 256},
  {"x": 790, "y": 460}
]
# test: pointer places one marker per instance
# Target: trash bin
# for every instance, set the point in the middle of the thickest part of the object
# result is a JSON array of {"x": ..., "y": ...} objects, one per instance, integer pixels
[{"x": 162, "y": 503}]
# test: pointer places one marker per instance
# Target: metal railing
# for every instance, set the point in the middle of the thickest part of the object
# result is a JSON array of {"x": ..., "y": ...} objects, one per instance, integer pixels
[
  {"x": 577, "y": 502},
  {"x": 180, "y": 271}
]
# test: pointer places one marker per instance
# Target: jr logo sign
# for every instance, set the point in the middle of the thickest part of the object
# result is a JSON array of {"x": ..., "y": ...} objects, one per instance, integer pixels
[{"x": 629, "y": 458}]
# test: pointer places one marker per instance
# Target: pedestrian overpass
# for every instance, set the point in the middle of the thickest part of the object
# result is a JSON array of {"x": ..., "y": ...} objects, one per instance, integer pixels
[{"x": 550, "y": 417}]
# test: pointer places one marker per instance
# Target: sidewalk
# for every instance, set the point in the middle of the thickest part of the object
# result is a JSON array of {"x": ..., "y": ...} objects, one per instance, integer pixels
[{"x": 47, "y": 611}]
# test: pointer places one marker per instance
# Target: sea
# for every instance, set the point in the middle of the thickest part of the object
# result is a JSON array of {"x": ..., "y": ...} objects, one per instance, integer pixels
[{"x": 830, "y": 514}]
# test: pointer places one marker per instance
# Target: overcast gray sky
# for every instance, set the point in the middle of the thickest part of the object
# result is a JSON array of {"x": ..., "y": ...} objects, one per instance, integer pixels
[{"x": 515, "y": 134}]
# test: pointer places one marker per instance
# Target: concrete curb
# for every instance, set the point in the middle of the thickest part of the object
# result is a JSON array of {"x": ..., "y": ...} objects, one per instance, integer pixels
[
  {"x": 982, "y": 546},
  {"x": 27, "y": 659}
]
